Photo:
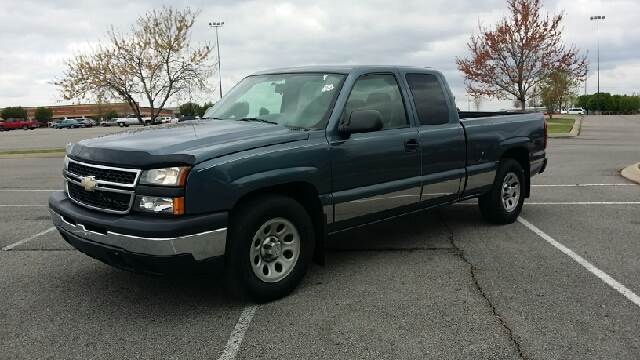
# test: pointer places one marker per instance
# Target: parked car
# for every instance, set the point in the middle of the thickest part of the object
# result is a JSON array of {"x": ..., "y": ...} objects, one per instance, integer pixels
[
  {"x": 109, "y": 122},
  {"x": 87, "y": 122},
  {"x": 168, "y": 120},
  {"x": 128, "y": 121},
  {"x": 69, "y": 124},
  {"x": 12, "y": 124},
  {"x": 285, "y": 159},
  {"x": 576, "y": 111},
  {"x": 133, "y": 120}
]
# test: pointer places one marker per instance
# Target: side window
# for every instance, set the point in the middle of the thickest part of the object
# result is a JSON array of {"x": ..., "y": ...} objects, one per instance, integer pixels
[
  {"x": 379, "y": 92},
  {"x": 429, "y": 98}
]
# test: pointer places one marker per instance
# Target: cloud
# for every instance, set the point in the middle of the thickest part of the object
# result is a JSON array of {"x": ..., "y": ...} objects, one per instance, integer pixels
[{"x": 37, "y": 35}]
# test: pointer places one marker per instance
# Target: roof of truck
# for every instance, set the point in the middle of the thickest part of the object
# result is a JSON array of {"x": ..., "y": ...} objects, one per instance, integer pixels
[{"x": 341, "y": 69}]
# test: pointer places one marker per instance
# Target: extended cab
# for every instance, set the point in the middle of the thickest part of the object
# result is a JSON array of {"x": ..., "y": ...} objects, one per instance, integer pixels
[
  {"x": 12, "y": 124},
  {"x": 286, "y": 158}
]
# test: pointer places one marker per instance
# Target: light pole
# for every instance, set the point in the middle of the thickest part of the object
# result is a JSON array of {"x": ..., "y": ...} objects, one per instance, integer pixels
[
  {"x": 596, "y": 18},
  {"x": 217, "y": 25}
]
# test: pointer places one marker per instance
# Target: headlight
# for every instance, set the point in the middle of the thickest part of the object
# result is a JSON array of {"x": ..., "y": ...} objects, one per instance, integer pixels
[
  {"x": 162, "y": 205},
  {"x": 173, "y": 176}
]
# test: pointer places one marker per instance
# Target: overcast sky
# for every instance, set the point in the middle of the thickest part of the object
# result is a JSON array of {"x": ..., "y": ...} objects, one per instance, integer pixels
[{"x": 37, "y": 35}]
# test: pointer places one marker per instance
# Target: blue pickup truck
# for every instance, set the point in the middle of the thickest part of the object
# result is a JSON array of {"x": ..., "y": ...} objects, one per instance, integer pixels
[{"x": 285, "y": 159}]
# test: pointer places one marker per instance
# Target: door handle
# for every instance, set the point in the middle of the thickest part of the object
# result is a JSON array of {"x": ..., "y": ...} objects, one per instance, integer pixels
[{"x": 411, "y": 145}]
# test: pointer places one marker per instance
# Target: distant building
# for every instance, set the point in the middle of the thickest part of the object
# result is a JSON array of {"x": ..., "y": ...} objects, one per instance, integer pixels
[{"x": 94, "y": 111}]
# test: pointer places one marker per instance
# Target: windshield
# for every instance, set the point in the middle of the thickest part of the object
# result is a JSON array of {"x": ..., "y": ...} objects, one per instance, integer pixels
[{"x": 294, "y": 100}]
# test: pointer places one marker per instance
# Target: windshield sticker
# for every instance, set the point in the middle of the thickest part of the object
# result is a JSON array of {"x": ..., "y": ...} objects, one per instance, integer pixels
[{"x": 327, "y": 87}]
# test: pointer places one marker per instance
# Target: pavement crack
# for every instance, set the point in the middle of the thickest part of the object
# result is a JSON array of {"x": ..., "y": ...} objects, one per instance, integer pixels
[{"x": 472, "y": 271}]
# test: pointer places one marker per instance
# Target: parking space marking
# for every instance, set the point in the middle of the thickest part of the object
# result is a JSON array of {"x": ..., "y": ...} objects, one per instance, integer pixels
[
  {"x": 9, "y": 247},
  {"x": 587, "y": 265},
  {"x": 584, "y": 203},
  {"x": 29, "y": 190},
  {"x": 21, "y": 205},
  {"x": 579, "y": 185},
  {"x": 568, "y": 203},
  {"x": 237, "y": 335}
]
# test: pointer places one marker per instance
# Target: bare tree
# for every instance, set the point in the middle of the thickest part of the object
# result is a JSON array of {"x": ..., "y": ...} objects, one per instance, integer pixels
[
  {"x": 515, "y": 57},
  {"x": 153, "y": 62}
]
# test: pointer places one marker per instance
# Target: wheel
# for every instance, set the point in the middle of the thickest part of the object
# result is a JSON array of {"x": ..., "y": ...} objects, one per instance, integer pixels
[
  {"x": 25, "y": 127},
  {"x": 503, "y": 203},
  {"x": 121, "y": 124},
  {"x": 270, "y": 245}
]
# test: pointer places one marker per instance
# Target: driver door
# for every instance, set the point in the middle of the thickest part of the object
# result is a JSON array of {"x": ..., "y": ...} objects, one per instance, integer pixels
[{"x": 376, "y": 174}]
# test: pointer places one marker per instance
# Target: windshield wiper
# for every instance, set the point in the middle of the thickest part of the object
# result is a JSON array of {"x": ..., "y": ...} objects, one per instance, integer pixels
[{"x": 258, "y": 120}]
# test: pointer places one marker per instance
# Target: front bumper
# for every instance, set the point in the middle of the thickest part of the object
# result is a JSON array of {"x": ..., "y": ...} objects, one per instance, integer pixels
[{"x": 199, "y": 237}]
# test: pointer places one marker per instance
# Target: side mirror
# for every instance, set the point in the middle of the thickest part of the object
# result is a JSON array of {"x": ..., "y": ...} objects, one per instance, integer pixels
[{"x": 361, "y": 121}]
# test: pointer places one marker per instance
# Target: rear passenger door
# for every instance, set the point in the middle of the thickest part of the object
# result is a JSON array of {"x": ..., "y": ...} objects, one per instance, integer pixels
[
  {"x": 441, "y": 138},
  {"x": 376, "y": 174}
]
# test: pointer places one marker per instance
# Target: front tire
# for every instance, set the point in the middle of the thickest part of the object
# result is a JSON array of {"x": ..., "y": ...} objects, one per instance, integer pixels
[
  {"x": 503, "y": 203},
  {"x": 270, "y": 246}
]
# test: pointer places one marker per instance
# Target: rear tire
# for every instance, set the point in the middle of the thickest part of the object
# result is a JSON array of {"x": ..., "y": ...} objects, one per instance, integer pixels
[
  {"x": 503, "y": 203},
  {"x": 121, "y": 124},
  {"x": 270, "y": 246}
]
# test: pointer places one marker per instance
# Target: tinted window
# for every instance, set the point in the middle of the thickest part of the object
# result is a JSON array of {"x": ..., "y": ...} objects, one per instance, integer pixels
[
  {"x": 431, "y": 104},
  {"x": 379, "y": 92}
]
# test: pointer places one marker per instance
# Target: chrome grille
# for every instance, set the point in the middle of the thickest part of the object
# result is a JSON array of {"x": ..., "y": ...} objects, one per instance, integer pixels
[
  {"x": 113, "y": 191},
  {"x": 105, "y": 174}
]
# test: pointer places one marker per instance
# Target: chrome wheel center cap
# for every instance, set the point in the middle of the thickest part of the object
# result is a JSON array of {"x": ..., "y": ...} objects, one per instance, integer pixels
[{"x": 271, "y": 248}]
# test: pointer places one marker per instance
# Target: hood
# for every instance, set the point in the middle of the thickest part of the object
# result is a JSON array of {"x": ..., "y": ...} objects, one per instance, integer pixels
[{"x": 186, "y": 143}]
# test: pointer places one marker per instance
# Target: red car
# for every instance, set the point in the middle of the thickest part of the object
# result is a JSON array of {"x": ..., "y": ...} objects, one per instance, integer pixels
[{"x": 11, "y": 124}]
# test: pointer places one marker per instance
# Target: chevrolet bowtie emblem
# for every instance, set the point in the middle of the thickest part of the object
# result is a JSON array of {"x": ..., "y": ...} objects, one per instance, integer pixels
[{"x": 89, "y": 183}]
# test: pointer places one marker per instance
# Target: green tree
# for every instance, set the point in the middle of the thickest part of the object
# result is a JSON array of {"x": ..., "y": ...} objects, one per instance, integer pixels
[
  {"x": 43, "y": 114},
  {"x": 111, "y": 114},
  {"x": 204, "y": 108},
  {"x": 556, "y": 90},
  {"x": 14, "y": 112},
  {"x": 190, "y": 109}
]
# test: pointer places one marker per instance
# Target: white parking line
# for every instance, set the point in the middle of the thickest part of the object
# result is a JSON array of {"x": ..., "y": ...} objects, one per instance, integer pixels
[
  {"x": 584, "y": 203},
  {"x": 29, "y": 190},
  {"x": 21, "y": 205},
  {"x": 237, "y": 335},
  {"x": 569, "y": 203},
  {"x": 579, "y": 185},
  {"x": 10, "y": 247},
  {"x": 587, "y": 265}
]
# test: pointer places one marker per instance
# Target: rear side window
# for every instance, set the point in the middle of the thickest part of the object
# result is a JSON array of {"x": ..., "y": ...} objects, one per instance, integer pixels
[{"x": 431, "y": 104}]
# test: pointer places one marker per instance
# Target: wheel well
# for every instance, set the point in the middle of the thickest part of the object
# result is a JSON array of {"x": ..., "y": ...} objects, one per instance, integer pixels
[
  {"x": 307, "y": 195},
  {"x": 521, "y": 155}
]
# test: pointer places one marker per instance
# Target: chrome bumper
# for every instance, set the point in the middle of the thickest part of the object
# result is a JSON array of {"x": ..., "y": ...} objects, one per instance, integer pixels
[{"x": 201, "y": 246}]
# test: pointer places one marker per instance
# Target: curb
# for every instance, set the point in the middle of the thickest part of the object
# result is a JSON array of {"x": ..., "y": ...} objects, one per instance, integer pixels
[
  {"x": 632, "y": 172},
  {"x": 575, "y": 131}
]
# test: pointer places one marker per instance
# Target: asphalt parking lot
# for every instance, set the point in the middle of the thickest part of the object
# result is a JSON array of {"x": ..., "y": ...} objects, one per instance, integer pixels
[
  {"x": 49, "y": 138},
  {"x": 558, "y": 284}
]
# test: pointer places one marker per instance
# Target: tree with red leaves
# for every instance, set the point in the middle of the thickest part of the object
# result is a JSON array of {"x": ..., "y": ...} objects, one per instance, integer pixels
[{"x": 521, "y": 52}]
